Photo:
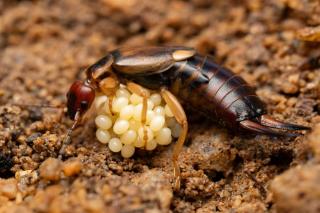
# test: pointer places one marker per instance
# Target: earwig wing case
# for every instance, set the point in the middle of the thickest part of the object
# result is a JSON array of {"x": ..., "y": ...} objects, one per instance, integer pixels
[{"x": 149, "y": 60}]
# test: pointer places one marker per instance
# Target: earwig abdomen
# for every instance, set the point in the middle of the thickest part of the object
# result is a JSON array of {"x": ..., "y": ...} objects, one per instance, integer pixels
[
  {"x": 207, "y": 87},
  {"x": 216, "y": 91},
  {"x": 225, "y": 97}
]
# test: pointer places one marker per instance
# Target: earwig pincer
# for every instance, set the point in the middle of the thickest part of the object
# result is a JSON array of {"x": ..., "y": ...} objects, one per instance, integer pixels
[{"x": 180, "y": 74}]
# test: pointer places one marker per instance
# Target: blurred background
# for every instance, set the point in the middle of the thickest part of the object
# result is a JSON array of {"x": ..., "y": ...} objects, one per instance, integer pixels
[{"x": 45, "y": 45}]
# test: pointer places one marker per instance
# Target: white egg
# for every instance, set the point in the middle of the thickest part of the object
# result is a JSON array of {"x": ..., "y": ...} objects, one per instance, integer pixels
[
  {"x": 159, "y": 110},
  {"x": 139, "y": 142},
  {"x": 137, "y": 114},
  {"x": 156, "y": 99},
  {"x": 176, "y": 130},
  {"x": 134, "y": 125},
  {"x": 157, "y": 123},
  {"x": 127, "y": 151},
  {"x": 145, "y": 130},
  {"x": 115, "y": 145},
  {"x": 127, "y": 112},
  {"x": 164, "y": 136},
  {"x": 150, "y": 104},
  {"x": 99, "y": 101},
  {"x": 122, "y": 92},
  {"x": 150, "y": 115},
  {"x": 128, "y": 137},
  {"x": 118, "y": 103},
  {"x": 135, "y": 99},
  {"x": 103, "y": 136},
  {"x": 151, "y": 145},
  {"x": 120, "y": 126},
  {"x": 103, "y": 122}
]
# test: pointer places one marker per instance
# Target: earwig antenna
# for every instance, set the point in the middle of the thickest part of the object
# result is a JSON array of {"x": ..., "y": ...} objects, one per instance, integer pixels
[
  {"x": 38, "y": 105},
  {"x": 67, "y": 140}
]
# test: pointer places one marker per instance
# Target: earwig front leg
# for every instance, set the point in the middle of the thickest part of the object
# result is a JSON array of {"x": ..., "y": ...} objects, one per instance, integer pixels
[
  {"x": 109, "y": 86},
  {"x": 181, "y": 118},
  {"x": 67, "y": 140},
  {"x": 110, "y": 103},
  {"x": 144, "y": 93}
]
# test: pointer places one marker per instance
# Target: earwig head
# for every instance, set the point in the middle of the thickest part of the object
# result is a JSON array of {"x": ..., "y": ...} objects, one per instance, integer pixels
[{"x": 79, "y": 98}]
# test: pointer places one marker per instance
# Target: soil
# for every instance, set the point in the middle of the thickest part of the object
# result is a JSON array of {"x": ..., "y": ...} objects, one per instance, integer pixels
[{"x": 46, "y": 45}]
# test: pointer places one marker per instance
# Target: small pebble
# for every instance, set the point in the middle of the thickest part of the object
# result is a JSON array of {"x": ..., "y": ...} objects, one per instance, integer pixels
[
  {"x": 8, "y": 188},
  {"x": 72, "y": 167},
  {"x": 50, "y": 169}
]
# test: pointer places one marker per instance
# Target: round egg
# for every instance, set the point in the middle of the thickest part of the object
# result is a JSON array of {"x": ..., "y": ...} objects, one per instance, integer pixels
[
  {"x": 103, "y": 135},
  {"x": 127, "y": 150},
  {"x": 115, "y": 145},
  {"x": 120, "y": 126}
]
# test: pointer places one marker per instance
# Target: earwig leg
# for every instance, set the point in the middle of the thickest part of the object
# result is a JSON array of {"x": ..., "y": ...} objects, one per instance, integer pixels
[
  {"x": 268, "y": 121},
  {"x": 67, "y": 139},
  {"x": 144, "y": 93},
  {"x": 258, "y": 128},
  {"x": 110, "y": 100},
  {"x": 109, "y": 86},
  {"x": 181, "y": 118}
]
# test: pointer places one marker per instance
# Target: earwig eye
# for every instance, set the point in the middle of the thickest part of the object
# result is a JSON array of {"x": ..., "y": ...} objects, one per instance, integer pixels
[{"x": 84, "y": 105}]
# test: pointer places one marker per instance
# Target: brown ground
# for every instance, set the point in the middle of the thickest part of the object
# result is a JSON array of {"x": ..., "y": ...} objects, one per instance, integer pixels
[{"x": 46, "y": 44}]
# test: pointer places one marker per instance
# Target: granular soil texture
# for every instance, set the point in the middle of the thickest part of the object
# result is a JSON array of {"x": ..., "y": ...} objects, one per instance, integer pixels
[{"x": 46, "y": 45}]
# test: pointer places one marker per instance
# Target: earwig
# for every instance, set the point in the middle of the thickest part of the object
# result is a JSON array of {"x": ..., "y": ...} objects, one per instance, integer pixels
[{"x": 181, "y": 74}]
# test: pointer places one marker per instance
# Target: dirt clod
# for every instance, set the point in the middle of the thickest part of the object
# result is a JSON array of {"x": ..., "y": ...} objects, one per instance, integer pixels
[
  {"x": 8, "y": 188},
  {"x": 51, "y": 169},
  {"x": 71, "y": 168},
  {"x": 297, "y": 190}
]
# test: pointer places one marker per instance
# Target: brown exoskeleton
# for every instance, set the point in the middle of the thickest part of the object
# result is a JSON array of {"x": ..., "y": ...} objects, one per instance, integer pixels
[{"x": 180, "y": 74}]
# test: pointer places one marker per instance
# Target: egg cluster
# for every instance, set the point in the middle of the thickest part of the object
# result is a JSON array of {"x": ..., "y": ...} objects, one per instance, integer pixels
[{"x": 121, "y": 128}]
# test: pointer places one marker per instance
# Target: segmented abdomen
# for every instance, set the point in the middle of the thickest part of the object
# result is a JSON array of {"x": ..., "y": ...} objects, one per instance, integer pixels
[{"x": 215, "y": 90}]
